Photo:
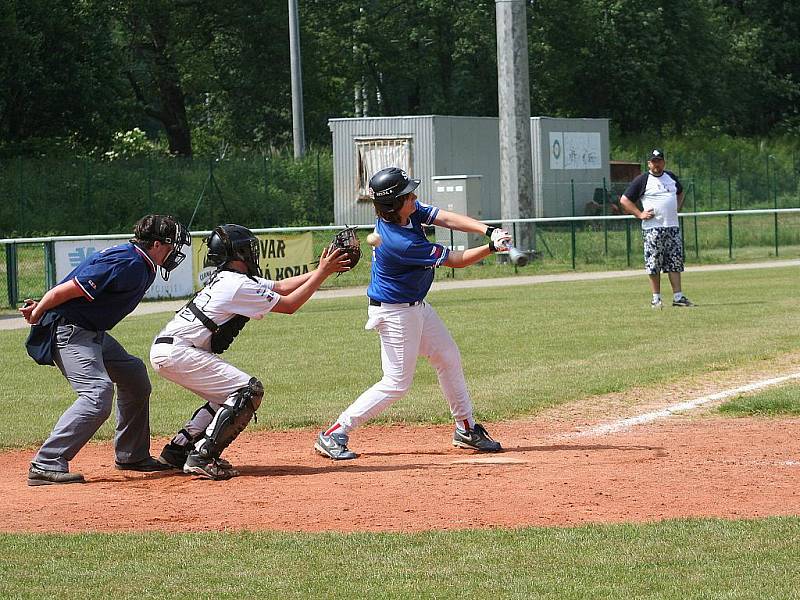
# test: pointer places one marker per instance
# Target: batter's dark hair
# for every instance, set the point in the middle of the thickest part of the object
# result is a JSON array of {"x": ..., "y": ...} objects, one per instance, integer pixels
[{"x": 390, "y": 214}]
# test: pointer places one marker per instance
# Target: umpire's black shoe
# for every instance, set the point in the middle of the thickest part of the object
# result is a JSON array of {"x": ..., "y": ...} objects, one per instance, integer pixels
[
  {"x": 174, "y": 455},
  {"x": 476, "y": 438},
  {"x": 37, "y": 476},
  {"x": 146, "y": 465}
]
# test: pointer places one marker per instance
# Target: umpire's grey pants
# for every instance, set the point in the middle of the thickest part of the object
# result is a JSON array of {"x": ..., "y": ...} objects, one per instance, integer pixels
[{"x": 92, "y": 362}]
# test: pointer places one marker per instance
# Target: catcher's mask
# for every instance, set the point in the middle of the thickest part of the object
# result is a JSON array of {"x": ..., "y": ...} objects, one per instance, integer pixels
[
  {"x": 167, "y": 230},
  {"x": 234, "y": 242},
  {"x": 387, "y": 185}
]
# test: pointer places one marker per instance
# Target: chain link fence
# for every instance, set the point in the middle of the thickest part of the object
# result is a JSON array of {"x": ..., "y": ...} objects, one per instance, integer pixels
[{"x": 586, "y": 243}]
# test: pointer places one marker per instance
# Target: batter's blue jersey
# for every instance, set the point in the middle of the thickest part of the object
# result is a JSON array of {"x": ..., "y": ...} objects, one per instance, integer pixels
[
  {"x": 402, "y": 266},
  {"x": 113, "y": 282}
]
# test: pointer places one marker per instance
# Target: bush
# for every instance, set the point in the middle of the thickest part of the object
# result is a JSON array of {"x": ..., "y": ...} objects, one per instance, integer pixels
[{"x": 77, "y": 196}]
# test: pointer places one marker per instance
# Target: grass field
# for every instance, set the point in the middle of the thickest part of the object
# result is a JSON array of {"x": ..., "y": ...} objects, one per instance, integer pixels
[
  {"x": 777, "y": 401},
  {"x": 669, "y": 560},
  {"x": 524, "y": 348}
]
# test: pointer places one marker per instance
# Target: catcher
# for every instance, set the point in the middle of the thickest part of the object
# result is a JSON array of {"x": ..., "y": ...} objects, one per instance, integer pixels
[{"x": 187, "y": 350}]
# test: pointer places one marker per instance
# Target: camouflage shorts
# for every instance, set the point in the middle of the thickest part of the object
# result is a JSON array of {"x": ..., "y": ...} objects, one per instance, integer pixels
[{"x": 663, "y": 250}]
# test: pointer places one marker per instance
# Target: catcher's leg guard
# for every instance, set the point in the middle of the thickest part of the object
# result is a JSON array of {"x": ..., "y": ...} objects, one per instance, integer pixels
[{"x": 231, "y": 419}]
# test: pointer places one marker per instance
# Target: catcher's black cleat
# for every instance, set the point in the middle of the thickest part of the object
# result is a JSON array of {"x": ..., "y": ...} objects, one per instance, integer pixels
[
  {"x": 208, "y": 468},
  {"x": 37, "y": 476},
  {"x": 476, "y": 438},
  {"x": 146, "y": 465},
  {"x": 334, "y": 446},
  {"x": 174, "y": 455}
]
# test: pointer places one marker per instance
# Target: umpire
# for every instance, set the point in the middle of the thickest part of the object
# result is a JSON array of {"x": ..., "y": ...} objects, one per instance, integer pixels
[{"x": 92, "y": 299}]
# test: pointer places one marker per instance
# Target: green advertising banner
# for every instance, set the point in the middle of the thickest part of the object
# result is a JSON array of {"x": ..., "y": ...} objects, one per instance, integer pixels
[{"x": 282, "y": 256}]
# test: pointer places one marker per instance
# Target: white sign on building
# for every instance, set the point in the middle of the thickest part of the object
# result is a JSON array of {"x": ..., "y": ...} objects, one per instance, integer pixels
[{"x": 570, "y": 150}]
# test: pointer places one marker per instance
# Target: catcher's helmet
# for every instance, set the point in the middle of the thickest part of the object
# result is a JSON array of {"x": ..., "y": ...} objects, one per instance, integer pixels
[
  {"x": 388, "y": 184},
  {"x": 234, "y": 242},
  {"x": 167, "y": 230}
]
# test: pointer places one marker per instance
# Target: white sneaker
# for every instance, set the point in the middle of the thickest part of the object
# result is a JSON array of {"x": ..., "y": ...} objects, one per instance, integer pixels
[{"x": 656, "y": 305}]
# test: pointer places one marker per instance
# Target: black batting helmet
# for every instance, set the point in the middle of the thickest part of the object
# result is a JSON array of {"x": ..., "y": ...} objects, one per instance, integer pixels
[
  {"x": 234, "y": 242},
  {"x": 387, "y": 185}
]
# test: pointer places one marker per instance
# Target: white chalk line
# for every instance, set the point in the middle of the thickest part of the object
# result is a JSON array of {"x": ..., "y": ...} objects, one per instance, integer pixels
[{"x": 680, "y": 407}]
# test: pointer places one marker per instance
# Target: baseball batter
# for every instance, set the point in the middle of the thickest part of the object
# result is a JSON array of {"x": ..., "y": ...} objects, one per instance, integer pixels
[
  {"x": 187, "y": 350},
  {"x": 402, "y": 273}
]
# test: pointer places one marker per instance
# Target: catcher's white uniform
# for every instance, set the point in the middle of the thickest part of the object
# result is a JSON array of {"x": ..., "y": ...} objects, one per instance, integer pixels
[{"x": 182, "y": 353}]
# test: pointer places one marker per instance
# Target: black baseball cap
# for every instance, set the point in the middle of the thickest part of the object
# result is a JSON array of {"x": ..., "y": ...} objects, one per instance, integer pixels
[{"x": 656, "y": 154}]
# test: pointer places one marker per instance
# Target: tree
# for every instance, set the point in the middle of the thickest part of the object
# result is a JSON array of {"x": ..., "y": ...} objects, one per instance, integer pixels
[{"x": 57, "y": 73}]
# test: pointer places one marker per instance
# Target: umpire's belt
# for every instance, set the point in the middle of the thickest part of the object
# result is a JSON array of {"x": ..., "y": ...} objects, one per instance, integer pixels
[
  {"x": 376, "y": 303},
  {"x": 164, "y": 340}
]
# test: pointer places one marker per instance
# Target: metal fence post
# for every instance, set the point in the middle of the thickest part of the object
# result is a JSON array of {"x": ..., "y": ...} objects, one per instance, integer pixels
[
  {"x": 513, "y": 237},
  {"x": 605, "y": 222},
  {"x": 11, "y": 274},
  {"x": 452, "y": 247},
  {"x": 694, "y": 209},
  {"x": 730, "y": 220},
  {"x": 49, "y": 264},
  {"x": 775, "y": 215},
  {"x": 628, "y": 240},
  {"x": 572, "y": 223}
]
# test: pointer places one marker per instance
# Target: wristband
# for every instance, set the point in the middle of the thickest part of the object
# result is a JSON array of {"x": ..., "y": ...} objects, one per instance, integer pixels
[
  {"x": 492, "y": 247},
  {"x": 490, "y": 230}
]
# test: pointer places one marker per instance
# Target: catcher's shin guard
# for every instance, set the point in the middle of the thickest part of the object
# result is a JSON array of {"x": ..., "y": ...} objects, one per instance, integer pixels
[{"x": 231, "y": 420}]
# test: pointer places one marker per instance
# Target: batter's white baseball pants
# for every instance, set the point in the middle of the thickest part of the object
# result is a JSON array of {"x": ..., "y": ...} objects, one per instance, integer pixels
[{"x": 407, "y": 332}]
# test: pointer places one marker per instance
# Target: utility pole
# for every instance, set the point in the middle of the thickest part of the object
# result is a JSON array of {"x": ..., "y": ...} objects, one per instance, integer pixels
[
  {"x": 298, "y": 130},
  {"x": 514, "y": 110}
]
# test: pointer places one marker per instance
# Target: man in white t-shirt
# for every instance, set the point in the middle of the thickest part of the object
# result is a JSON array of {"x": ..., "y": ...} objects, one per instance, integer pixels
[
  {"x": 661, "y": 196},
  {"x": 187, "y": 350}
]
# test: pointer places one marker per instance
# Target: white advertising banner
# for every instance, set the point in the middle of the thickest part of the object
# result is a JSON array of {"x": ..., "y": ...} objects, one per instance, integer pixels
[
  {"x": 70, "y": 254},
  {"x": 572, "y": 150}
]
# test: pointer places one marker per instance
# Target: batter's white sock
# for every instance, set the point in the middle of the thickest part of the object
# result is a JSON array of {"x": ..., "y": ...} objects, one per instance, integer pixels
[{"x": 337, "y": 427}]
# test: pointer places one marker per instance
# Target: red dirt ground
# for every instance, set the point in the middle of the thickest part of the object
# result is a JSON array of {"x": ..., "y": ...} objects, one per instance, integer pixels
[{"x": 411, "y": 479}]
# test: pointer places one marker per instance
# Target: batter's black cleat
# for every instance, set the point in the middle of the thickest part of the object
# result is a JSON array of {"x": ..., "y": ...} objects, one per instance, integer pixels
[
  {"x": 37, "y": 476},
  {"x": 208, "y": 468},
  {"x": 476, "y": 438},
  {"x": 146, "y": 465},
  {"x": 174, "y": 455},
  {"x": 334, "y": 446}
]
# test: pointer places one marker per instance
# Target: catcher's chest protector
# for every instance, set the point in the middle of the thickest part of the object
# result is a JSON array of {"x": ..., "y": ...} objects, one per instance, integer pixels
[{"x": 222, "y": 336}]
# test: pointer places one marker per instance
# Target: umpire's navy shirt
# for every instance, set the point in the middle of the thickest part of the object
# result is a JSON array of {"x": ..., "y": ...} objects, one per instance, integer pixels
[{"x": 113, "y": 282}]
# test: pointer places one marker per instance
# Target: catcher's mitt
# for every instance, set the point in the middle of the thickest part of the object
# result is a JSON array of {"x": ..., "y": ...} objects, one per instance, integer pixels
[{"x": 347, "y": 240}]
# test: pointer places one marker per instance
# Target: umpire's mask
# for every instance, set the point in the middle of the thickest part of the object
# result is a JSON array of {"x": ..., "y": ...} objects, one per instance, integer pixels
[{"x": 167, "y": 230}]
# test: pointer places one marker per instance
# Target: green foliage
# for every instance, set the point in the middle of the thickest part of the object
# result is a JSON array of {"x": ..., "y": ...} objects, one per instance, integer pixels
[
  {"x": 53, "y": 195},
  {"x": 763, "y": 172},
  {"x": 210, "y": 74},
  {"x": 126, "y": 145},
  {"x": 671, "y": 560}
]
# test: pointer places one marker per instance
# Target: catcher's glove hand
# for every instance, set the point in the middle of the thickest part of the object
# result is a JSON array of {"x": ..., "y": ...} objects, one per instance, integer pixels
[{"x": 347, "y": 240}]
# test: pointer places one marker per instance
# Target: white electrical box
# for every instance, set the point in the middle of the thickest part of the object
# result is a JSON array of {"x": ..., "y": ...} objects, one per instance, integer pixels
[{"x": 459, "y": 194}]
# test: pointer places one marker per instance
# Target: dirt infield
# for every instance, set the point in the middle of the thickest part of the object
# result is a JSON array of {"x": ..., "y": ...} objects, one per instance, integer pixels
[{"x": 411, "y": 479}]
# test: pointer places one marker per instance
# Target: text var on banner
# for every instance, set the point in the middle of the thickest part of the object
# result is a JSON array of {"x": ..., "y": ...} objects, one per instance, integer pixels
[{"x": 281, "y": 256}]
